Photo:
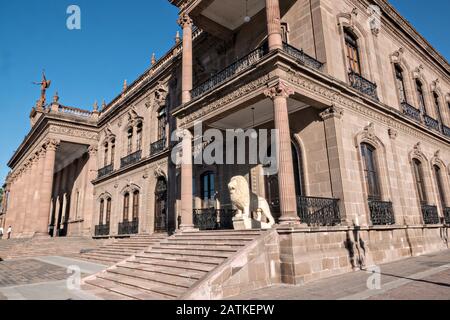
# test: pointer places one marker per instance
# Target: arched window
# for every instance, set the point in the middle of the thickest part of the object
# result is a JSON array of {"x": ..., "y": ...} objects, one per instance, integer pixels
[
  {"x": 437, "y": 105},
  {"x": 420, "y": 182},
  {"x": 139, "y": 136},
  {"x": 400, "y": 84},
  {"x": 208, "y": 188},
  {"x": 371, "y": 171},
  {"x": 440, "y": 184},
  {"x": 352, "y": 52},
  {"x": 421, "y": 96},
  {"x": 102, "y": 208},
  {"x": 162, "y": 123},
  {"x": 135, "y": 205},
  {"x": 113, "y": 151},
  {"x": 130, "y": 141},
  {"x": 105, "y": 157},
  {"x": 108, "y": 211},
  {"x": 126, "y": 206},
  {"x": 285, "y": 32}
]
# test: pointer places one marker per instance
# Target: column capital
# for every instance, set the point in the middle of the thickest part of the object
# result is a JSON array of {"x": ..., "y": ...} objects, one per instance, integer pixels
[
  {"x": 280, "y": 89},
  {"x": 92, "y": 150},
  {"x": 185, "y": 21},
  {"x": 332, "y": 112},
  {"x": 52, "y": 144}
]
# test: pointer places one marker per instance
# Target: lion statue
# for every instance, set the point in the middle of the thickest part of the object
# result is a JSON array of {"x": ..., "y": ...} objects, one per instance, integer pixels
[{"x": 246, "y": 202}]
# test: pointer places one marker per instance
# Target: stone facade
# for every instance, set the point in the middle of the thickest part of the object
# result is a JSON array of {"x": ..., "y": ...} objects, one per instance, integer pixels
[{"x": 325, "y": 74}]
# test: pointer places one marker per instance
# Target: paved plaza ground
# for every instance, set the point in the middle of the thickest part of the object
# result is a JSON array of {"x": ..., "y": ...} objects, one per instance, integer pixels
[{"x": 425, "y": 277}]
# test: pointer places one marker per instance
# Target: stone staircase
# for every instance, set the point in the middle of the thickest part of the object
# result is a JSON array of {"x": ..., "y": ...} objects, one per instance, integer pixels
[
  {"x": 171, "y": 268},
  {"x": 39, "y": 247},
  {"x": 121, "y": 249}
]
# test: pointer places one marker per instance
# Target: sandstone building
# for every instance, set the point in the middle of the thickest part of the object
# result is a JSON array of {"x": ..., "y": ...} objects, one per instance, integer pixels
[{"x": 362, "y": 104}]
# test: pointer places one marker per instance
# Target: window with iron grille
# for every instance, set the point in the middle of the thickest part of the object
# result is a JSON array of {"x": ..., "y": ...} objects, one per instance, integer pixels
[
  {"x": 437, "y": 105},
  {"x": 105, "y": 158},
  {"x": 108, "y": 211},
  {"x": 130, "y": 141},
  {"x": 421, "y": 96},
  {"x": 126, "y": 206},
  {"x": 139, "y": 136},
  {"x": 419, "y": 179},
  {"x": 113, "y": 151},
  {"x": 135, "y": 205},
  {"x": 370, "y": 171},
  {"x": 440, "y": 184},
  {"x": 208, "y": 188},
  {"x": 162, "y": 123},
  {"x": 352, "y": 52},
  {"x": 400, "y": 84},
  {"x": 102, "y": 208}
]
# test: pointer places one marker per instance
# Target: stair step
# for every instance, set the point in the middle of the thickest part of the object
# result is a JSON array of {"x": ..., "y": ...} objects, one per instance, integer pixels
[
  {"x": 166, "y": 291},
  {"x": 212, "y": 239},
  {"x": 193, "y": 253},
  {"x": 125, "y": 291},
  {"x": 225, "y": 232},
  {"x": 187, "y": 249},
  {"x": 203, "y": 244},
  {"x": 194, "y": 266},
  {"x": 177, "y": 272},
  {"x": 197, "y": 259},
  {"x": 159, "y": 278}
]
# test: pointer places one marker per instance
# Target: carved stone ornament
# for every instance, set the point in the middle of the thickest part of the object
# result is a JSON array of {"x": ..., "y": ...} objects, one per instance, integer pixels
[
  {"x": 279, "y": 90},
  {"x": 185, "y": 21},
  {"x": 332, "y": 112}
]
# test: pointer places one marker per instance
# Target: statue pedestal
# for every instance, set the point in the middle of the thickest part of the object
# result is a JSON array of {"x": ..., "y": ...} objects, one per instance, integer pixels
[{"x": 245, "y": 223}]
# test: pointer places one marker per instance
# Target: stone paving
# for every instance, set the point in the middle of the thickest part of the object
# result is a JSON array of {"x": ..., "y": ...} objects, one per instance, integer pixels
[
  {"x": 425, "y": 277},
  {"x": 44, "y": 278}
]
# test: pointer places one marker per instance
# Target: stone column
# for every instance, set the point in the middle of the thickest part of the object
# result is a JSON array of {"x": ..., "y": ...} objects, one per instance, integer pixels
[
  {"x": 22, "y": 216},
  {"x": 186, "y": 183},
  {"x": 274, "y": 24},
  {"x": 288, "y": 202},
  {"x": 89, "y": 212},
  {"x": 46, "y": 187},
  {"x": 335, "y": 149},
  {"x": 33, "y": 186},
  {"x": 186, "y": 23}
]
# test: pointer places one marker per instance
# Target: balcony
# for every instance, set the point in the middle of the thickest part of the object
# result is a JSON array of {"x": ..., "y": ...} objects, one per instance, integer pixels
[
  {"x": 446, "y": 131},
  {"x": 229, "y": 72},
  {"x": 105, "y": 171},
  {"x": 129, "y": 227},
  {"x": 214, "y": 219},
  {"x": 381, "y": 213},
  {"x": 430, "y": 214},
  {"x": 131, "y": 159},
  {"x": 363, "y": 85},
  {"x": 447, "y": 215},
  {"x": 411, "y": 111},
  {"x": 431, "y": 123},
  {"x": 158, "y": 146},
  {"x": 318, "y": 211},
  {"x": 302, "y": 57},
  {"x": 102, "y": 230}
]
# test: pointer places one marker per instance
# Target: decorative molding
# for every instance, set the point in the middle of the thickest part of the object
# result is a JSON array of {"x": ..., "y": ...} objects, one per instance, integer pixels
[
  {"x": 73, "y": 132},
  {"x": 392, "y": 133},
  {"x": 332, "y": 112}
]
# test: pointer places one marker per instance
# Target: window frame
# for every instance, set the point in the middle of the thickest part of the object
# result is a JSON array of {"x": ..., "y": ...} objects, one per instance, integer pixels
[
  {"x": 126, "y": 207},
  {"x": 419, "y": 180},
  {"x": 371, "y": 172},
  {"x": 352, "y": 52}
]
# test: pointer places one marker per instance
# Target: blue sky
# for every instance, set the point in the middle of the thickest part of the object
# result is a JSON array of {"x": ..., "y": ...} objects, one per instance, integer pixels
[{"x": 115, "y": 43}]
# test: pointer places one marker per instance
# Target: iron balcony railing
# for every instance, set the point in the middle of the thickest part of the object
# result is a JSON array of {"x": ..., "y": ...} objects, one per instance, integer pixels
[
  {"x": 214, "y": 219},
  {"x": 430, "y": 214},
  {"x": 381, "y": 213},
  {"x": 131, "y": 159},
  {"x": 230, "y": 71},
  {"x": 318, "y": 211},
  {"x": 158, "y": 146},
  {"x": 411, "y": 111},
  {"x": 105, "y": 171},
  {"x": 102, "y": 230},
  {"x": 363, "y": 85},
  {"x": 302, "y": 57},
  {"x": 447, "y": 215},
  {"x": 431, "y": 123},
  {"x": 129, "y": 227},
  {"x": 446, "y": 130}
]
